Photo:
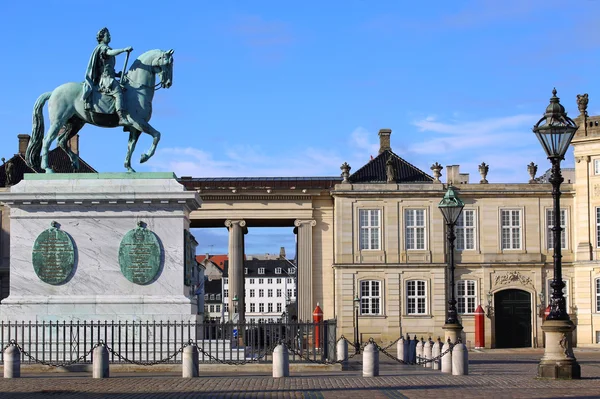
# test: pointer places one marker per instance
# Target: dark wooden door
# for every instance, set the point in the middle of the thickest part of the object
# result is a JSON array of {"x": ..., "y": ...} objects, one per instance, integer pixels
[{"x": 512, "y": 309}]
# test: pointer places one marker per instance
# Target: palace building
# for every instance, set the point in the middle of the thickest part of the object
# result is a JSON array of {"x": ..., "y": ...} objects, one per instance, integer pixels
[{"x": 376, "y": 234}]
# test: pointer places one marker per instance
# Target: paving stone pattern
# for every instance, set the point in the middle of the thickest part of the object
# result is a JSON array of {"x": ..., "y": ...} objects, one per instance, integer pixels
[{"x": 493, "y": 374}]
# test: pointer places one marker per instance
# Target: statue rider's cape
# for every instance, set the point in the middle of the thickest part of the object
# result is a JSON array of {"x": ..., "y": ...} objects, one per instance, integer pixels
[{"x": 92, "y": 79}]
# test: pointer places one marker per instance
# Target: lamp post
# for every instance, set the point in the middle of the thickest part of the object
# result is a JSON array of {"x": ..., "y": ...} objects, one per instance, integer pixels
[
  {"x": 555, "y": 130},
  {"x": 451, "y": 207},
  {"x": 356, "y": 339}
]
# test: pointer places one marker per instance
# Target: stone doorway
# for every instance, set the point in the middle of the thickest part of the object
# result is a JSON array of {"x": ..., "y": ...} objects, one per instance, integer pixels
[{"x": 512, "y": 309}]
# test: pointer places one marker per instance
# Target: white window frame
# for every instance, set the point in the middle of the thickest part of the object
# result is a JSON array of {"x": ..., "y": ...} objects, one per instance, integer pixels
[
  {"x": 278, "y": 281},
  {"x": 261, "y": 281},
  {"x": 464, "y": 231},
  {"x": 252, "y": 293},
  {"x": 291, "y": 270},
  {"x": 466, "y": 296},
  {"x": 550, "y": 225},
  {"x": 269, "y": 281},
  {"x": 270, "y": 293},
  {"x": 597, "y": 296},
  {"x": 289, "y": 293},
  {"x": 279, "y": 292},
  {"x": 598, "y": 227},
  {"x": 225, "y": 280},
  {"x": 371, "y": 301},
  {"x": 252, "y": 307},
  {"x": 261, "y": 270},
  {"x": 270, "y": 307},
  {"x": 261, "y": 307},
  {"x": 369, "y": 235},
  {"x": 412, "y": 229},
  {"x": 245, "y": 270},
  {"x": 597, "y": 166},
  {"x": 511, "y": 228},
  {"x": 251, "y": 281},
  {"x": 279, "y": 307},
  {"x": 414, "y": 300},
  {"x": 278, "y": 270},
  {"x": 225, "y": 293},
  {"x": 261, "y": 293}
]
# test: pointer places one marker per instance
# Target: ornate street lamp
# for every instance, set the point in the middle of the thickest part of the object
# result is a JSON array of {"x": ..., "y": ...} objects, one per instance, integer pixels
[
  {"x": 356, "y": 340},
  {"x": 451, "y": 207},
  {"x": 555, "y": 131}
]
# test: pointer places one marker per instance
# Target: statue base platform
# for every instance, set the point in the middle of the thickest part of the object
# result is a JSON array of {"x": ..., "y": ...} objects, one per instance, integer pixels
[
  {"x": 96, "y": 211},
  {"x": 559, "y": 361}
]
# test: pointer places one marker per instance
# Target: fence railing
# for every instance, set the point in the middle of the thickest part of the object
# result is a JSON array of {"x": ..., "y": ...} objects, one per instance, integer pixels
[{"x": 153, "y": 342}]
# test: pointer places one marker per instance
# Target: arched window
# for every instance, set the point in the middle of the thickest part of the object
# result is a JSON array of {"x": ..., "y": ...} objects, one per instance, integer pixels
[{"x": 370, "y": 297}]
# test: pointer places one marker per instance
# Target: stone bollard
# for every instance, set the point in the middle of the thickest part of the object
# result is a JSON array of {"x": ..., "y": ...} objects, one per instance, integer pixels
[
  {"x": 460, "y": 359},
  {"x": 189, "y": 364},
  {"x": 435, "y": 352},
  {"x": 342, "y": 353},
  {"x": 419, "y": 355},
  {"x": 447, "y": 358},
  {"x": 427, "y": 348},
  {"x": 12, "y": 362},
  {"x": 281, "y": 362},
  {"x": 370, "y": 361},
  {"x": 406, "y": 357},
  {"x": 100, "y": 362},
  {"x": 412, "y": 354},
  {"x": 400, "y": 349}
]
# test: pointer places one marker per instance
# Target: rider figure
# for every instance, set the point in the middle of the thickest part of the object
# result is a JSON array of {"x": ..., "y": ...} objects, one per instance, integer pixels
[{"x": 101, "y": 73}]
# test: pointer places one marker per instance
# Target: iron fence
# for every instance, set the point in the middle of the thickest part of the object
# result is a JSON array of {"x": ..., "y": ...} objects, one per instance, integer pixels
[{"x": 153, "y": 342}]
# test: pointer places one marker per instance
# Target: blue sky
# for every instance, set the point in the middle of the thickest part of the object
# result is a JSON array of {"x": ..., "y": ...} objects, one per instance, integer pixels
[{"x": 272, "y": 88}]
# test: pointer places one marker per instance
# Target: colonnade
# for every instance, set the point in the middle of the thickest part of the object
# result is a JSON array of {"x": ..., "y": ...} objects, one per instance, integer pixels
[{"x": 304, "y": 253}]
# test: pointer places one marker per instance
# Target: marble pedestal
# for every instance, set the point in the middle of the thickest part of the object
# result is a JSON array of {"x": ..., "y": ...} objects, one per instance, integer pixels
[
  {"x": 96, "y": 211},
  {"x": 559, "y": 361}
]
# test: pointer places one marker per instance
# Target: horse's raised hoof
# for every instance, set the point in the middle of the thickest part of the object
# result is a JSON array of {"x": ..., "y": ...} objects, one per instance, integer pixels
[
  {"x": 144, "y": 158},
  {"x": 130, "y": 170},
  {"x": 49, "y": 170}
]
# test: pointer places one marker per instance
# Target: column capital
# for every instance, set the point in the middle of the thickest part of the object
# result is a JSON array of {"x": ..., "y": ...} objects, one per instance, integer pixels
[
  {"x": 231, "y": 222},
  {"x": 300, "y": 222}
]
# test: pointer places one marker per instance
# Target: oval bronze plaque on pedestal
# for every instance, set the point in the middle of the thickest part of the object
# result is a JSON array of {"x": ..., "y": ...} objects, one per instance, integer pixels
[
  {"x": 139, "y": 255},
  {"x": 53, "y": 256}
]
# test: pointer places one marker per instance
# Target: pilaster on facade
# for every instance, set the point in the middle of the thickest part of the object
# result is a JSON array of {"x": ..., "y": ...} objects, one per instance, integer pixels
[
  {"x": 237, "y": 230},
  {"x": 305, "y": 265}
]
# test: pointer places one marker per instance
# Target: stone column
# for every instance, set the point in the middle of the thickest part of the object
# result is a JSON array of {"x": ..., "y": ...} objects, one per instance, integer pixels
[
  {"x": 304, "y": 255},
  {"x": 237, "y": 229}
]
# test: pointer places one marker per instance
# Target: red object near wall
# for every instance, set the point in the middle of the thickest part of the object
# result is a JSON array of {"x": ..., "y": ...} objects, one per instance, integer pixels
[
  {"x": 317, "y": 318},
  {"x": 479, "y": 327},
  {"x": 546, "y": 312}
]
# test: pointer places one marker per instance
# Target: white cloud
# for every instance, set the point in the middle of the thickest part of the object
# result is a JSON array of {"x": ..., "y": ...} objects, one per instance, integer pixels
[{"x": 429, "y": 124}]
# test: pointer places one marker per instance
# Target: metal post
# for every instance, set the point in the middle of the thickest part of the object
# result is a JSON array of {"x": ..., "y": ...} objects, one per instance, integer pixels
[
  {"x": 356, "y": 337},
  {"x": 452, "y": 313},
  {"x": 558, "y": 309}
]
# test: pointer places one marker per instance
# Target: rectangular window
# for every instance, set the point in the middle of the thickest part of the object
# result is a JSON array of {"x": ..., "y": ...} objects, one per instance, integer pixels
[
  {"x": 278, "y": 270},
  {"x": 245, "y": 270},
  {"x": 278, "y": 281},
  {"x": 414, "y": 220},
  {"x": 252, "y": 292},
  {"x": 211, "y": 308},
  {"x": 466, "y": 296},
  {"x": 295, "y": 292},
  {"x": 369, "y": 228},
  {"x": 416, "y": 297},
  {"x": 261, "y": 307},
  {"x": 261, "y": 270},
  {"x": 225, "y": 280},
  {"x": 251, "y": 281},
  {"x": 217, "y": 308},
  {"x": 550, "y": 225},
  {"x": 226, "y": 293},
  {"x": 291, "y": 270},
  {"x": 270, "y": 293},
  {"x": 289, "y": 293},
  {"x": 269, "y": 281},
  {"x": 370, "y": 297},
  {"x": 261, "y": 281},
  {"x": 279, "y": 292},
  {"x": 261, "y": 293},
  {"x": 226, "y": 307},
  {"x": 465, "y": 230},
  {"x": 270, "y": 307},
  {"x": 289, "y": 281},
  {"x": 252, "y": 307},
  {"x": 279, "y": 307},
  {"x": 598, "y": 227},
  {"x": 206, "y": 297},
  {"x": 597, "y": 166},
  {"x": 510, "y": 220},
  {"x": 218, "y": 297},
  {"x": 598, "y": 295},
  {"x": 212, "y": 297}
]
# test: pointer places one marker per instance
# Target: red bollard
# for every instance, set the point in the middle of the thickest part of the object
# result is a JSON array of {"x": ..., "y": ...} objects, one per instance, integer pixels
[
  {"x": 479, "y": 328},
  {"x": 317, "y": 318}
]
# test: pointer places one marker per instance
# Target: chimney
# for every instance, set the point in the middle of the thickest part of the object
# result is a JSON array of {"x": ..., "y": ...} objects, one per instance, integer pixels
[
  {"x": 282, "y": 253},
  {"x": 384, "y": 140},
  {"x": 23, "y": 143},
  {"x": 453, "y": 175}
]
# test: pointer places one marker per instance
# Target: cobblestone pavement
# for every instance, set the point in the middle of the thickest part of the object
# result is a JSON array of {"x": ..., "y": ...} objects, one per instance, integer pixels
[{"x": 492, "y": 374}]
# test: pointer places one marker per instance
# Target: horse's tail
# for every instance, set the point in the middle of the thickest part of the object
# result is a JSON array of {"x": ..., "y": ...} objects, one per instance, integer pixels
[{"x": 32, "y": 156}]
